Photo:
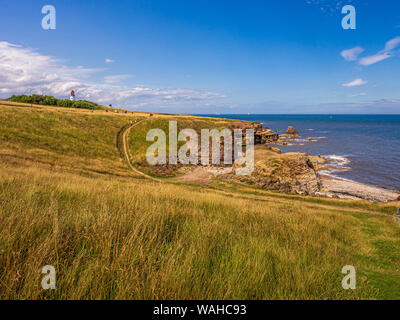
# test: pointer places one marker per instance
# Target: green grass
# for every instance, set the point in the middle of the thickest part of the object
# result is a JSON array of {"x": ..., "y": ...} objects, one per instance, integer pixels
[
  {"x": 115, "y": 240},
  {"x": 69, "y": 200},
  {"x": 77, "y": 139},
  {"x": 138, "y": 144}
]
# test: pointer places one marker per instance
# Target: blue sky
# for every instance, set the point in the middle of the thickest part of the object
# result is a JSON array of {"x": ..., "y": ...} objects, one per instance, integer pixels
[{"x": 287, "y": 56}]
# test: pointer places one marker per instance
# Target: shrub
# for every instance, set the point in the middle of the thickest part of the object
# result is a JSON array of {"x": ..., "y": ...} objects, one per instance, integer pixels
[
  {"x": 65, "y": 103},
  {"x": 83, "y": 105},
  {"x": 51, "y": 101}
]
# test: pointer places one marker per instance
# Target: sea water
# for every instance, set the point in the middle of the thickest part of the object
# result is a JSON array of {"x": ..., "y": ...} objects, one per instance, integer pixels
[{"x": 363, "y": 148}]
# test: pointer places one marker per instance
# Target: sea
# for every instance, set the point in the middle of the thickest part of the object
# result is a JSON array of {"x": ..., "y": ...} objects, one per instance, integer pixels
[{"x": 362, "y": 148}]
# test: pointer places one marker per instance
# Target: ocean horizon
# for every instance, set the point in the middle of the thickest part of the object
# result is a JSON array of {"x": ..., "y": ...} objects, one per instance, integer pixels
[{"x": 359, "y": 147}]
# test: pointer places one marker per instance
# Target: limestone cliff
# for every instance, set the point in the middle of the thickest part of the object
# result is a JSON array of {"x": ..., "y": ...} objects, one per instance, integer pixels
[
  {"x": 261, "y": 135},
  {"x": 289, "y": 172}
]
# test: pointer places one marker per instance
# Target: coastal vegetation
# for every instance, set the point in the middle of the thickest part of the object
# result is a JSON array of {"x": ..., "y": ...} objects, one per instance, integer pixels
[
  {"x": 69, "y": 199},
  {"x": 51, "y": 101}
]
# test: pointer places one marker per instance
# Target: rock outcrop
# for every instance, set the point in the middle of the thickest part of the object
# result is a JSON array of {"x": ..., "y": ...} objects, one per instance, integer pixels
[
  {"x": 292, "y": 132},
  {"x": 290, "y": 172},
  {"x": 265, "y": 136},
  {"x": 261, "y": 135}
]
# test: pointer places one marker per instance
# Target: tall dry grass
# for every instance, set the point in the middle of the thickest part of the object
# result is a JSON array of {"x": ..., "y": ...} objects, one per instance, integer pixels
[
  {"x": 128, "y": 240},
  {"x": 68, "y": 200}
]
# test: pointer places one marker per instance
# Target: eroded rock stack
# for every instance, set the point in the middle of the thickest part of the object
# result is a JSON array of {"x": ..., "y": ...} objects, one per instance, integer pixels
[
  {"x": 292, "y": 132},
  {"x": 261, "y": 135},
  {"x": 292, "y": 172}
]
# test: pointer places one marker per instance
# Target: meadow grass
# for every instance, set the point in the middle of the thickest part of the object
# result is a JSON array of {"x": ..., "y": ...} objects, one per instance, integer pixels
[
  {"x": 63, "y": 138},
  {"x": 139, "y": 144},
  {"x": 137, "y": 240},
  {"x": 113, "y": 235}
]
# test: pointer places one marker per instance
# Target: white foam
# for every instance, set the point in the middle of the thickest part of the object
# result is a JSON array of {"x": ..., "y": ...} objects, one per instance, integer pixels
[
  {"x": 335, "y": 164},
  {"x": 338, "y": 160},
  {"x": 300, "y": 140}
]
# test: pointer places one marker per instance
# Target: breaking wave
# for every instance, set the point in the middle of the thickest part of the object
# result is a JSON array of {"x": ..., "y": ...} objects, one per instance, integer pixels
[
  {"x": 335, "y": 164},
  {"x": 339, "y": 161}
]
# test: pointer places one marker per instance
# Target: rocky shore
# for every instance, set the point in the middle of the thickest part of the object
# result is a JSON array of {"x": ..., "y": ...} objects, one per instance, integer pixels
[
  {"x": 334, "y": 187},
  {"x": 293, "y": 172},
  {"x": 302, "y": 174},
  {"x": 346, "y": 189}
]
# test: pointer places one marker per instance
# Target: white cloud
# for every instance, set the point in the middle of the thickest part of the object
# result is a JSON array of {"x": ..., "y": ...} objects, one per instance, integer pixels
[
  {"x": 358, "y": 94},
  {"x": 352, "y": 54},
  {"x": 384, "y": 54},
  {"x": 392, "y": 44},
  {"x": 367, "y": 61},
  {"x": 117, "y": 78},
  {"x": 382, "y": 106},
  {"x": 110, "y": 60},
  {"x": 25, "y": 71},
  {"x": 355, "y": 83}
]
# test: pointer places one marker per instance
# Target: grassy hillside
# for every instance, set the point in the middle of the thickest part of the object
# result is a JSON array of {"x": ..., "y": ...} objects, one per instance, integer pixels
[
  {"x": 78, "y": 140},
  {"x": 138, "y": 144},
  {"x": 51, "y": 101},
  {"x": 69, "y": 200}
]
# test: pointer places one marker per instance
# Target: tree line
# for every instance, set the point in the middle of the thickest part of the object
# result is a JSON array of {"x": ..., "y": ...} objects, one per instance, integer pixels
[{"x": 51, "y": 101}]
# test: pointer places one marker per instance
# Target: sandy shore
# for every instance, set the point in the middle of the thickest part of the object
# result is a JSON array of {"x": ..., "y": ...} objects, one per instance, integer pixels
[{"x": 346, "y": 189}]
